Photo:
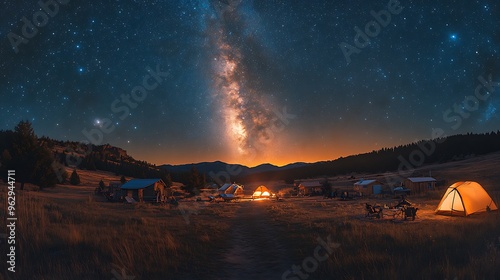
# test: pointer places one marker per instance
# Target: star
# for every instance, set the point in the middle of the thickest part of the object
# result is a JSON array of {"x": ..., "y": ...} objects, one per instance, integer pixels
[
  {"x": 98, "y": 123},
  {"x": 245, "y": 66}
]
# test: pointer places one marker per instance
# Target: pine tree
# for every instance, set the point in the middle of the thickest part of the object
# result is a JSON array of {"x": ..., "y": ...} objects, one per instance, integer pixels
[
  {"x": 75, "y": 178},
  {"x": 44, "y": 175},
  {"x": 32, "y": 162},
  {"x": 23, "y": 148},
  {"x": 195, "y": 181},
  {"x": 89, "y": 162}
]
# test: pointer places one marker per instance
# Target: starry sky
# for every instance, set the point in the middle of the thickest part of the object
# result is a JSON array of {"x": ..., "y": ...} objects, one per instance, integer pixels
[{"x": 247, "y": 81}]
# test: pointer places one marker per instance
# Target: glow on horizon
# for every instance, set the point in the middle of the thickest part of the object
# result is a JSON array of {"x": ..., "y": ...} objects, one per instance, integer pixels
[{"x": 308, "y": 154}]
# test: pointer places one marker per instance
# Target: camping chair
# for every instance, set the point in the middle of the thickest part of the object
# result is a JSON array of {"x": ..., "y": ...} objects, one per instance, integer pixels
[
  {"x": 410, "y": 212},
  {"x": 108, "y": 195},
  {"x": 373, "y": 211}
]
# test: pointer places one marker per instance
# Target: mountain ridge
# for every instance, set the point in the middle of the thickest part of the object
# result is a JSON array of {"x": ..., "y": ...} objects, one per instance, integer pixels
[{"x": 219, "y": 166}]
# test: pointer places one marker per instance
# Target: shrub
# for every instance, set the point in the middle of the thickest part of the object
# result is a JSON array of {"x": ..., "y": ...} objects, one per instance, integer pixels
[{"x": 75, "y": 179}]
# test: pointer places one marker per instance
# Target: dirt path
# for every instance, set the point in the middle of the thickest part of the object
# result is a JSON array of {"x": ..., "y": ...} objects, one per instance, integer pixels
[{"x": 255, "y": 249}]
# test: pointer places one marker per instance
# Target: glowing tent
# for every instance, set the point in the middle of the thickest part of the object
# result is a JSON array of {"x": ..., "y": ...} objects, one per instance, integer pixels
[
  {"x": 465, "y": 198},
  {"x": 261, "y": 192}
]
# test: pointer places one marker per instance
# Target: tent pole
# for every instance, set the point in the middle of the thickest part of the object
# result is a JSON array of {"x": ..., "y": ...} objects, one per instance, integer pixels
[{"x": 452, "y": 202}]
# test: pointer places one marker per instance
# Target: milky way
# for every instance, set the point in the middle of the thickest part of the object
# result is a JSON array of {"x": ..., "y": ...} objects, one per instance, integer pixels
[
  {"x": 233, "y": 64},
  {"x": 242, "y": 103}
]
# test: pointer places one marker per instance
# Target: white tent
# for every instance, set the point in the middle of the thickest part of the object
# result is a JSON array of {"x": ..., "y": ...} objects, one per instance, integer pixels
[
  {"x": 234, "y": 189},
  {"x": 465, "y": 198}
]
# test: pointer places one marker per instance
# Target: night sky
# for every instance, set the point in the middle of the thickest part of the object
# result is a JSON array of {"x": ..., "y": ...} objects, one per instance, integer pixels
[{"x": 250, "y": 81}]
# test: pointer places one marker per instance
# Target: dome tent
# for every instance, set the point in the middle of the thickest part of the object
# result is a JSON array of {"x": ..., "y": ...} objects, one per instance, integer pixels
[
  {"x": 465, "y": 198},
  {"x": 261, "y": 191}
]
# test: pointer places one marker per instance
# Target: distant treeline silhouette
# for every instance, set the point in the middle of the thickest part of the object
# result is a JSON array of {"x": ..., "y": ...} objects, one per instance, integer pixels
[
  {"x": 36, "y": 159},
  {"x": 412, "y": 155}
]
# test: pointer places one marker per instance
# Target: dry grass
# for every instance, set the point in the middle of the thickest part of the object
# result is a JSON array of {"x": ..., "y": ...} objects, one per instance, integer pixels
[
  {"x": 89, "y": 240},
  {"x": 432, "y": 247},
  {"x": 68, "y": 233}
]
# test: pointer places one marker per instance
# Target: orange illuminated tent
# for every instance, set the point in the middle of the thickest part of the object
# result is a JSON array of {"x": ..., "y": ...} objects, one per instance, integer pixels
[
  {"x": 261, "y": 192},
  {"x": 465, "y": 198}
]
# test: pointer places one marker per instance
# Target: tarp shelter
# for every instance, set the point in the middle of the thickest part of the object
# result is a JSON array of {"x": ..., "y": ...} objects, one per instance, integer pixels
[
  {"x": 233, "y": 189},
  {"x": 261, "y": 191},
  {"x": 465, "y": 198},
  {"x": 146, "y": 189}
]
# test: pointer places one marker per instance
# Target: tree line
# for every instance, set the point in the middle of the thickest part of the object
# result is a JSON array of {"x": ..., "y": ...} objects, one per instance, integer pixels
[
  {"x": 439, "y": 150},
  {"x": 36, "y": 160}
]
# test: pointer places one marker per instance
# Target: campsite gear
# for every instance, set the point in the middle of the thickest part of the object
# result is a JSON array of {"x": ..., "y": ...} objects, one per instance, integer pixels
[
  {"x": 410, "y": 212},
  {"x": 395, "y": 213},
  {"x": 373, "y": 211},
  {"x": 403, "y": 203},
  {"x": 400, "y": 191},
  {"x": 465, "y": 198}
]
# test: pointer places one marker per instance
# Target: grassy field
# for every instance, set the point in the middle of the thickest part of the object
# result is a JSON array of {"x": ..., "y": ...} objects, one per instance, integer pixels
[
  {"x": 431, "y": 247},
  {"x": 67, "y": 232},
  {"x": 89, "y": 240}
]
